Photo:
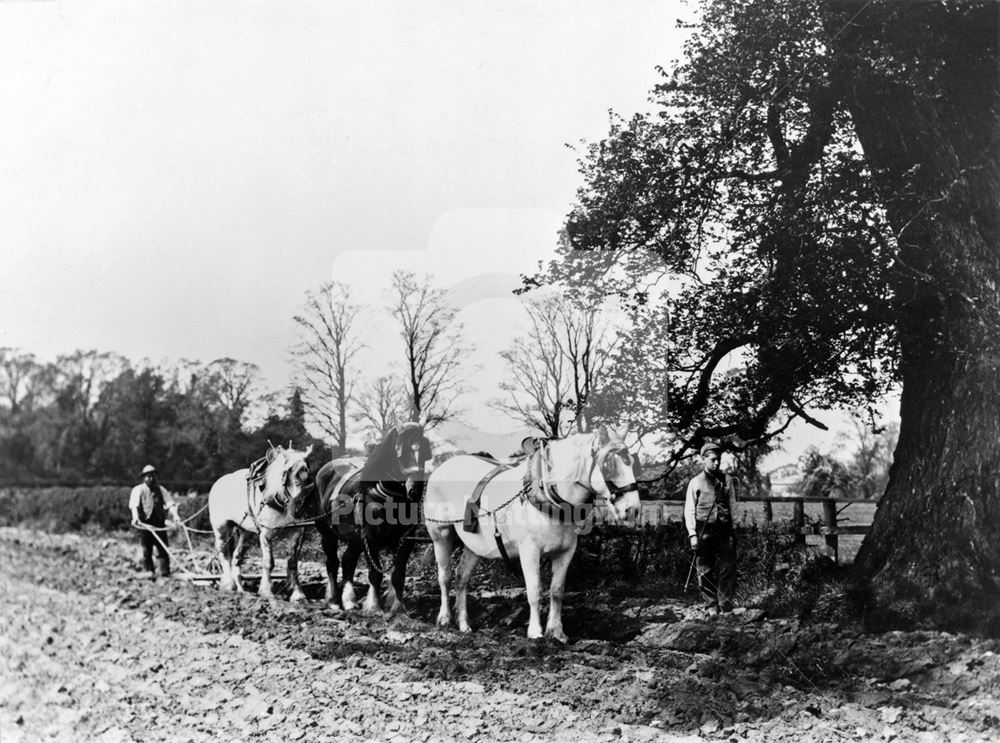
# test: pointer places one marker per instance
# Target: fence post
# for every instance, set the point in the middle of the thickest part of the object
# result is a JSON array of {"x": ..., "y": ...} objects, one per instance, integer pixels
[
  {"x": 830, "y": 532},
  {"x": 799, "y": 521},
  {"x": 768, "y": 512}
]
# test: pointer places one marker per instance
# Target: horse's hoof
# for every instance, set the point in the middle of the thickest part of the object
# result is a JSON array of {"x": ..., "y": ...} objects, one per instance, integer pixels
[
  {"x": 464, "y": 629},
  {"x": 297, "y": 598},
  {"x": 443, "y": 620},
  {"x": 347, "y": 598},
  {"x": 535, "y": 634},
  {"x": 394, "y": 607}
]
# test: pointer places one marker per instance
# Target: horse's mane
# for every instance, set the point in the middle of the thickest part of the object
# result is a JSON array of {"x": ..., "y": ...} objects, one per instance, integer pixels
[{"x": 575, "y": 465}]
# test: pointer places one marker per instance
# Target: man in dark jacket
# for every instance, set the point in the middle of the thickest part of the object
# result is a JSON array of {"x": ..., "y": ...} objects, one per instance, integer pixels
[
  {"x": 149, "y": 504},
  {"x": 709, "y": 509}
]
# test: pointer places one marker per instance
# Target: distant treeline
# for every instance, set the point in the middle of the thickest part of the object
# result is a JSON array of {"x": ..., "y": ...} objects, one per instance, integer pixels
[{"x": 97, "y": 418}]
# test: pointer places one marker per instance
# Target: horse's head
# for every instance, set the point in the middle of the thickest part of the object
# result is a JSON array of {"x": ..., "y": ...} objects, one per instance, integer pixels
[
  {"x": 612, "y": 474},
  {"x": 413, "y": 450},
  {"x": 287, "y": 472},
  {"x": 399, "y": 457}
]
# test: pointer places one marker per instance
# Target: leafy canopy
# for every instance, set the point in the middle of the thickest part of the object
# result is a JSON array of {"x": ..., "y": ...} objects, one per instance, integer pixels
[{"x": 739, "y": 220}]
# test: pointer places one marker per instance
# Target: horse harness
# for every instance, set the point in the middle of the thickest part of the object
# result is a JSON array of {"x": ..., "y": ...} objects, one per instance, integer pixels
[
  {"x": 548, "y": 500},
  {"x": 277, "y": 501},
  {"x": 378, "y": 491}
]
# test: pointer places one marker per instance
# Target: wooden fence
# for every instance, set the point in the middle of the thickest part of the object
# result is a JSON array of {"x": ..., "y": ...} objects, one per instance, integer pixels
[{"x": 830, "y": 518}]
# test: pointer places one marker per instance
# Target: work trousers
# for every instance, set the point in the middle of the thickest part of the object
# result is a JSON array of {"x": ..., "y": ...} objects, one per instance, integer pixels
[
  {"x": 149, "y": 542},
  {"x": 715, "y": 561}
]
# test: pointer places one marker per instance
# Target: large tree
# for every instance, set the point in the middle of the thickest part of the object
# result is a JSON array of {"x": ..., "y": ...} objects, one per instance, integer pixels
[
  {"x": 379, "y": 403},
  {"x": 556, "y": 365},
  {"x": 922, "y": 84},
  {"x": 433, "y": 347},
  {"x": 819, "y": 188},
  {"x": 328, "y": 341}
]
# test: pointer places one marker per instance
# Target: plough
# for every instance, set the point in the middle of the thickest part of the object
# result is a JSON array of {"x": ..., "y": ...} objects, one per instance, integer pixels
[{"x": 202, "y": 567}]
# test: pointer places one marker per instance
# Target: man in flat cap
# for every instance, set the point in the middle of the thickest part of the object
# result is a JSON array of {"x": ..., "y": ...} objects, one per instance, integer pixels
[
  {"x": 149, "y": 504},
  {"x": 709, "y": 508}
]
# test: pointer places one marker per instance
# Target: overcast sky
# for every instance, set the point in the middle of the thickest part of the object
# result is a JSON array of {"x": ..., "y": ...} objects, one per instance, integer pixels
[{"x": 175, "y": 175}]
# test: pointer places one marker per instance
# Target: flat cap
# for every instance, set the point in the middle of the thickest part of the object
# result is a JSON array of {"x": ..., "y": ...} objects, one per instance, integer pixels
[
  {"x": 149, "y": 470},
  {"x": 709, "y": 446}
]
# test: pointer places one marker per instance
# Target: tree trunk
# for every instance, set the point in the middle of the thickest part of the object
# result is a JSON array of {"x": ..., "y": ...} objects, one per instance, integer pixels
[
  {"x": 924, "y": 94},
  {"x": 341, "y": 412}
]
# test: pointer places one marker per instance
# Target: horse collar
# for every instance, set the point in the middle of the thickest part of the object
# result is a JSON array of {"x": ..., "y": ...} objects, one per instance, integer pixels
[{"x": 548, "y": 499}]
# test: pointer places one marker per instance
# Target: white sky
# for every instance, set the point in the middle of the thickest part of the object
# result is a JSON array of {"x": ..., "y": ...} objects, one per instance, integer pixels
[{"x": 175, "y": 175}]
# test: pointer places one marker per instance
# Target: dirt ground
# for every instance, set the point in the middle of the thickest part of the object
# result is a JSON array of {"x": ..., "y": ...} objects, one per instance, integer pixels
[{"x": 93, "y": 651}]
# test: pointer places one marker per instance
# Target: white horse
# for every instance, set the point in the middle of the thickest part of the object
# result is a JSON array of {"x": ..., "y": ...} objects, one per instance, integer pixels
[
  {"x": 240, "y": 505},
  {"x": 528, "y": 511}
]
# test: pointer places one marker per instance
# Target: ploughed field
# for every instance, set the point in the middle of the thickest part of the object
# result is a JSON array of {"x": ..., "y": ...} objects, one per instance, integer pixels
[{"x": 92, "y": 650}]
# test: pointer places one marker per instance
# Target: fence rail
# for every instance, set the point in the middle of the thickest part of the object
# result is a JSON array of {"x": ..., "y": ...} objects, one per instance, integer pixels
[{"x": 832, "y": 525}]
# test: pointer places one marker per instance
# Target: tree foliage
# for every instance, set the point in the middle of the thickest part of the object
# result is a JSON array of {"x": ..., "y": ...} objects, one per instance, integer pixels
[
  {"x": 745, "y": 195},
  {"x": 816, "y": 194},
  {"x": 97, "y": 417}
]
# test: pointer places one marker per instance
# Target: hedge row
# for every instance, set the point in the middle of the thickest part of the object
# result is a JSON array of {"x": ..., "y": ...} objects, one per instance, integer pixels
[{"x": 99, "y": 508}]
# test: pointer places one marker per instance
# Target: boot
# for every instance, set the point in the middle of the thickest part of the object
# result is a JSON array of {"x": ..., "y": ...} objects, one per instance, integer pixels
[{"x": 163, "y": 565}]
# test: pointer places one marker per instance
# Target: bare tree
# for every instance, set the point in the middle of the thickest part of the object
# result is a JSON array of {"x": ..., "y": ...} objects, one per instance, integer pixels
[
  {"x": 234, "y": 386},
  {"x": 538, "y": 384},
  {"x": 556, "y": 367},
  {"x": 586, "y": 343},
  {"x": 82, "y": 375},
  {"x": 18, "y": 370},
  {"x": 380, "y": 403},
  {"x": 328, "y": 342},
  {"x": 871, "y": 455},
  {"x": 432, "y": 345}
]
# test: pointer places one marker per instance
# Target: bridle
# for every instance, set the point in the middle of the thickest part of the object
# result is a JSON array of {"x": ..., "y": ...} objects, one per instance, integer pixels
[
  {"x": 283, "y": 498},
  {"x": 600, "y": 459},
  {"x": 416, "y": 449}
]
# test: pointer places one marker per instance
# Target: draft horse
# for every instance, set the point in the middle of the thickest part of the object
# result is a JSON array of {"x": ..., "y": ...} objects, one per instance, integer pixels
[
  {"x": 525, "y": 511},
  {"x": 372, "y": 506},
  {"x": 263, "y": 500}
]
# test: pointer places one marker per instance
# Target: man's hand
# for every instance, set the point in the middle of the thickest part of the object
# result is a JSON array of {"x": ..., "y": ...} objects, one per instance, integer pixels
[
  {"x": 694, "y": 541},
  {"x": 135, "y": 523}
]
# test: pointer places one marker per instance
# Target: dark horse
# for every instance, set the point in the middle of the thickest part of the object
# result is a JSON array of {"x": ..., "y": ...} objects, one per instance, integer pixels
[{"x": 372, "y": 505}]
